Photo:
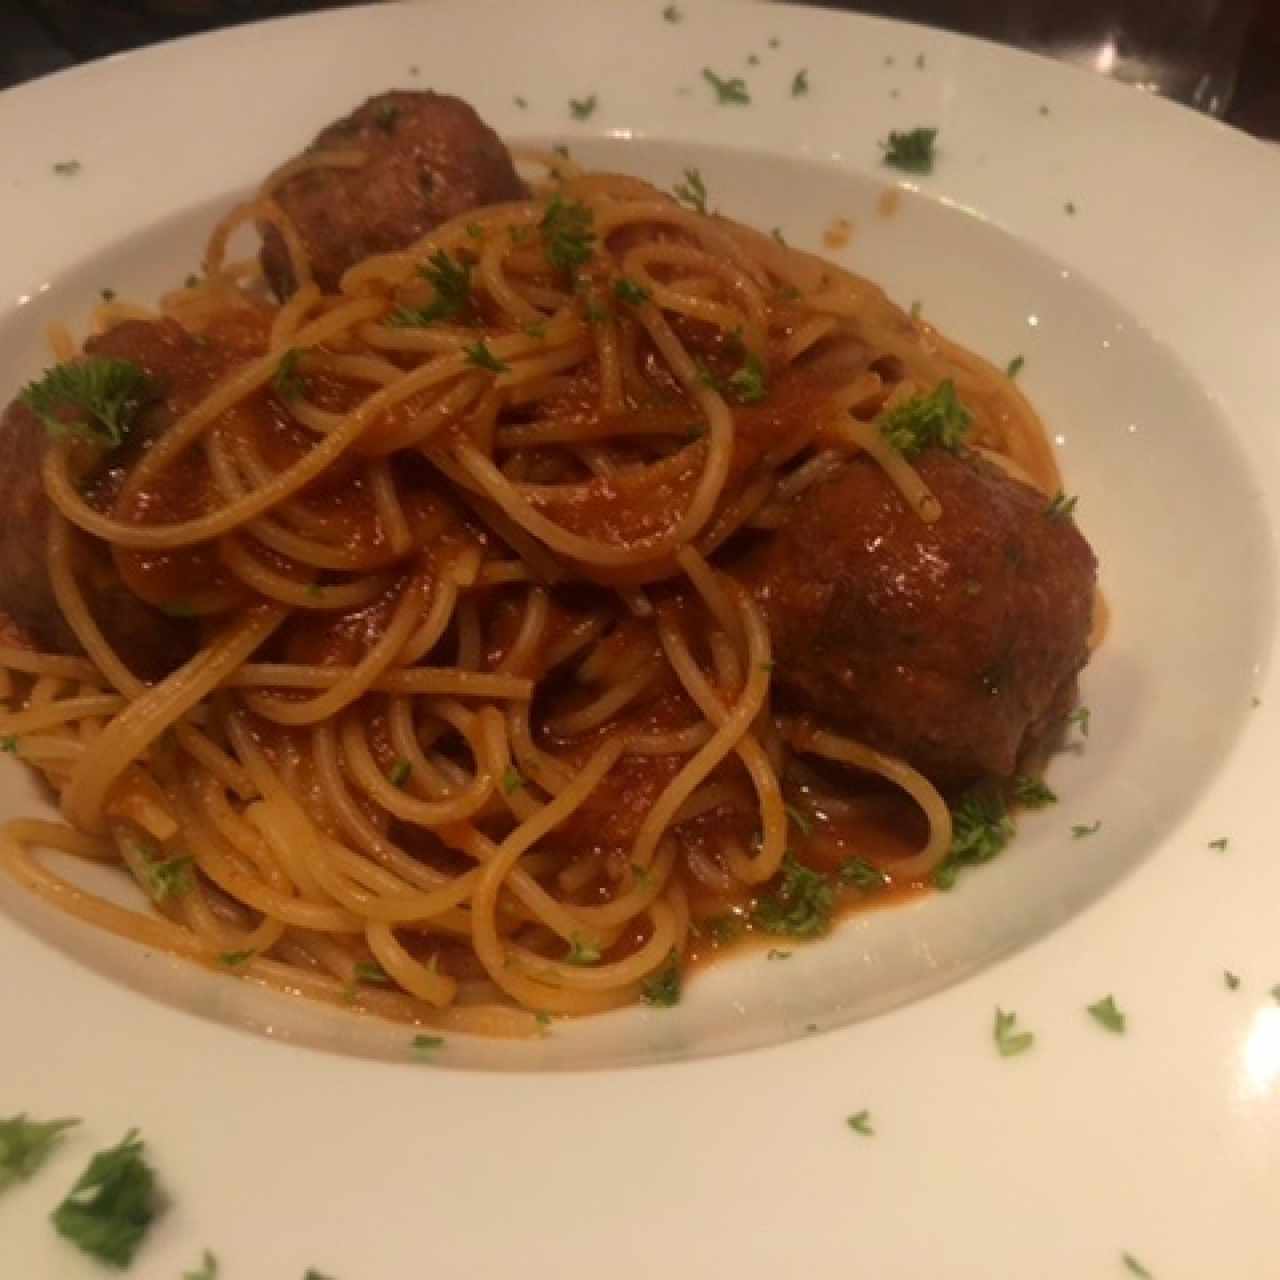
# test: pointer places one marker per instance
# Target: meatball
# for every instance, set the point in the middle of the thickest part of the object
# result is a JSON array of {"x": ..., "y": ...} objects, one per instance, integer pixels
[
  {"x": 149, "y": 640},
  {"x": 953, "y": 645},
  {"x": 429, "y": 158}
]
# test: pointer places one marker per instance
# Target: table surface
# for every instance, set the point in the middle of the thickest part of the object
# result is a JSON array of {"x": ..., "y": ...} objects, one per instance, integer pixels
[{"x": 33, "y": 42}]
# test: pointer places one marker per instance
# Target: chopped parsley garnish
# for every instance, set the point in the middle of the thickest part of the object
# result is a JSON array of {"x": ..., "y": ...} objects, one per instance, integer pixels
[
  {"x": 916, "y": 308},
  {"x": 980, "y": 830},
  {"x": 1136, "y": 1267},
  {"x": 804, "y": 824},
  {"x": 581, "y": 108},
  {"x": 480, "y": 356},
  {"x": 386, "y": 116},
  {"x": 451, "y": 281},
  {"x": 935, "y": 419},
  {"x": 582, "y": 951},
  {"x": 423, "y": 1045},
  {"x": 629, "y": 292},
  {"x": 511, "y": 780},
  {"x": 286, "y": 381},
  {"x": 1275, "y": 993},
  {"x": 775, "y": 954},
  {"x": 753, "y": 60},
  {"x": 749, "y": 383},
  {"x": 801, "y": 908},
  {"x": 729, "y": 92},
  {"x": 1032, "y": 793},
  {"x": 860, "y": 874},
  {"x": 860, "y": 1122},
  {"x": 1232, "y": 980},
  {"x": 1081, "y": 829},
  {"x": 1106, "y": 1013},
  {"x": 520, "y": 102},
  {"x": 67, "y": 168},
  {"x": 9, "y": 743},
  {"x": 595, "y": 313},
  {"x": 95, "y": 397},
  {"x": 538, "y": 329},
  {"x": 567, "y": 237},
  {"x": 313, "y": 1274},
  {"x": 399, "y": 773},
  {"x": 912, "y": 152},
  {"x": 542, "y": 1018},
  {"x": 1060, "y": 507},
  {"x": 372, "y": 973},
  {"x": 1014, "y": 367},
  {"x": 475, "y": 230},
  {"x": 641, "y": 875},
  {"x": 1080, "y": 718},
  {"x": 1010, "y": 1041},
  {"x": 663, "y": 989},
  {"x": 26, "y": 1144},
  {"x": 108, "y": 1211},
  {"x": 234, "y": 959},
  {"x": 208, "y": 1269},
  {"x": 168, "y": 879},
  {"x": 672, "y": 14},
  {"x": 800, "y": 84},
  {"x": 1220, "y": 844},
  {"x": 107, "y": 295},
  {"x": 692, "y": 191}
]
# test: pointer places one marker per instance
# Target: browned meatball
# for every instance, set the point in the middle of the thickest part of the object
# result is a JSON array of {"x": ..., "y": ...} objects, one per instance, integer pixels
[
  {"x": 429, "y": 158},
  {"x": 150, "y": 641},
  {"x": 952, "y": 645}
]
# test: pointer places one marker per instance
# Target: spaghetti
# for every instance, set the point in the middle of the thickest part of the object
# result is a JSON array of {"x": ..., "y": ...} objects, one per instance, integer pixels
[{"x": 479, "y": 725}]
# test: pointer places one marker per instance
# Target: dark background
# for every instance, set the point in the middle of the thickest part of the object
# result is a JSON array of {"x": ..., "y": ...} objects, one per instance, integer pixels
[{"x": 39, "y": 36}]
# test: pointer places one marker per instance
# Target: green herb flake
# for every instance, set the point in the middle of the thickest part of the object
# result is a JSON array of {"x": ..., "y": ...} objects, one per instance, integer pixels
[
  {"x": 1081, "y": 829},
  {"x": 386, "y": 116},
  {"x": 582, "y": 951},
  {"x": 860, "y": 1122},
  {"x": 582, "y": 108},
  {"x": 753, "y": 60},
  {"x": 26, "y": 1144},
  {"x": 512, "y": 781},
  {"x": 1135, "y": 1267},
  {"x": 729, "y": 92},
  {"x": 919, "y": 61},
  {"x": 775, "y": 43},
  {"x": 207, "y": 1270},
  {"x": 672, "y": 14},
  {"x": 424, "y": 1045},
  {"x": 860, "y": 874},
  {"x": 567, "y": 237},
  {"x": 67, "y": 168},
  {"x": 692, "y": 191},
  {"x": 1009, "y": 1041},
  {"x": 1014, "y": 367},
  {"x": 1044, "y": 110},
  {"x": 95, "y": 397},
  {"x": 775, "y": 954},
  {"x": 168, "y": 879},
  {"x": 399, "y": 773},
  {"x": 1080, "y": 718},
  {"x": 480, "y": 356},
  {"x": 980, "y": 829},
  {"x": 1107, "y": 1014},
  {"x": 641, "y": 875},
  {"x": 371, "y": 973},
  {"x": 538, "y": 329},
  {"x": 315, "y": 591},
  {"x": 800, "y": 83},
  {"x": 9, "y": 743},
  {"x": 801, "y": 907},
  {"x": 1231, "y": 979},
  {"x": 234, "y": 959},
  {"x": 108, "y": 1211},
  {"x": 749, "y": 384},
  {"x": 1220, "y": 844},
  {"x": 1060, "y": 507},
  {"x": 1070, "y": 208},
  {"x": 107, "y": 295},
  {"x": 663, "y": 989},
  {"x": 451, "y": 281},
  {"x": 804, "y": 824},
  {"x": 286, "y": 381},
  {"x": 629, "y": 292},
  {"x": 474, "y": 230},
  {"x": 934, "y": 419},
  {"x": 912, "y": 152},
  {"x": 313, "y": 1274},
  {"x": 1032, "y": 793},
  {"x": 1275, "y": 993}
]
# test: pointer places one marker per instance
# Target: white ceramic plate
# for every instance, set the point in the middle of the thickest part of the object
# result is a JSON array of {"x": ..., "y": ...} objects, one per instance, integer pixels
[{"x": 1126, "y": 248}]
